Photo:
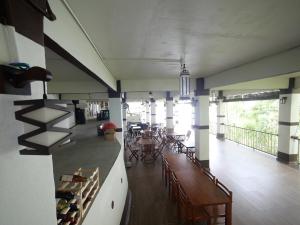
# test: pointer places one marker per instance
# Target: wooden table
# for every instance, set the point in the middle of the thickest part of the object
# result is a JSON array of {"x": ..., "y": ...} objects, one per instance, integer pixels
[
  {"x": 179, "y": 162},
  {"x": 146, "y": 141},
  {"x": 199, "y": 188},
  {"x": 175, "y": 135}
]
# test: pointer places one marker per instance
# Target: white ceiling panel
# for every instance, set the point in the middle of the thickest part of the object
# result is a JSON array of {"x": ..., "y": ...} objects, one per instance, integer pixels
[{"x": 147, "y": 38}]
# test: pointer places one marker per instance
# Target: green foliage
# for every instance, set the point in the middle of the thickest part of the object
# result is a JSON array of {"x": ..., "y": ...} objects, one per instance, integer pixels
[{"x": 255, "y": 115}]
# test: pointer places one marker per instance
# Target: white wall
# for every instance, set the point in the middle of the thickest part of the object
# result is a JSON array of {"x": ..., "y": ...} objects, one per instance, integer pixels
[
  {"x": 27, "y": 184},
  {"x": 67, "y": 33},
  {"x": 112, "y": 189}
]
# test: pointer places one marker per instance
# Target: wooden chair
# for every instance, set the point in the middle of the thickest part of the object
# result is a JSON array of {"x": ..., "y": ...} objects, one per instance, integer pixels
[
  {"x": 190, "y": 153},
  {"x": 218, "y": 212},
  {"x": 148, "y": 153},
  {"x": 134, "y": 152},
  {"x": 159, "y": 149},
  {"x": 209, "y": 174},
  {"x": 197, "y": 163},
  {"x": 165, "y": 171},
  {"x": 189, "y": 213}
]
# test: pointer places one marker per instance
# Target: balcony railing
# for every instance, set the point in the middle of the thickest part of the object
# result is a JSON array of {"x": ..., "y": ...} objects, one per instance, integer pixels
[
  {"x": 259, "y": 140},
  {"x": 296, "y": 143}
]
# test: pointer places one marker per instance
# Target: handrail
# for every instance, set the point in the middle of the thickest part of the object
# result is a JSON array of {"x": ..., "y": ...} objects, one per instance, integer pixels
[
  {"x": 250, "y": 129},
  {"x": 256, "y": 139}
]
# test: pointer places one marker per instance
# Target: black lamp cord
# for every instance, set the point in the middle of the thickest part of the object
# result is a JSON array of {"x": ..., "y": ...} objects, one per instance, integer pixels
[{"x": 44, "y": 87}]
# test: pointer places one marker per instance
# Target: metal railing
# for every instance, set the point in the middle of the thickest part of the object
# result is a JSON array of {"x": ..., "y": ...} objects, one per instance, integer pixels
[
  {"x": 296, "y": 143},
  {"x": 259, "y": 140}
]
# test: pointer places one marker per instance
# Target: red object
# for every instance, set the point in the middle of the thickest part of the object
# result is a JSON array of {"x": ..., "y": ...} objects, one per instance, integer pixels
[{"x": 108, "y": 125}]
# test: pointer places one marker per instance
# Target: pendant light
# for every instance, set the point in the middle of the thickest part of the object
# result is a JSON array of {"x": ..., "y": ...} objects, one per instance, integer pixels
[
  {"x": 184, "y": 82},
  {"x": 47, "y": 116}
]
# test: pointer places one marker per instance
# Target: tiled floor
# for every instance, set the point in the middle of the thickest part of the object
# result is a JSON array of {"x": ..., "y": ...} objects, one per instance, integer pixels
[{"x": 265, "y": 192}]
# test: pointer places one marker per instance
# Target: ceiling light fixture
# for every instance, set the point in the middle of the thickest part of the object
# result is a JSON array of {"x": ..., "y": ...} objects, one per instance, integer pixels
[{"x": 184, "y": 83}]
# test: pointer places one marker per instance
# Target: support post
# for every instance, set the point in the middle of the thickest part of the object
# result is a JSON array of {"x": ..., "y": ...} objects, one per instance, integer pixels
[
  {"x": 124, "y": 107},
  {"x": 220, "y": 117},
  {"x": 115, "y": 109},
  {"x": 289, "y": 104},
  {"x": 169, "y": 112},
  {"x": 153, "y": 112},
  {"x": 147, "y": 112},
  {"x": 201, "y": 126}
]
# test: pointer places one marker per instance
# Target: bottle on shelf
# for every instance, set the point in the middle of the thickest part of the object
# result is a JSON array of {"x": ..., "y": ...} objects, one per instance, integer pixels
[
  {"x": 73, "y": 178},
  {"x": 61, "y": 204},
  {"x": 67, "y": 195},
  {"x": 73, "y": 207}
]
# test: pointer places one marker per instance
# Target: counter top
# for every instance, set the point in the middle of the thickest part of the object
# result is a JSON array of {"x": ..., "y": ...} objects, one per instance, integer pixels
[{"x": 88, "y": 150}]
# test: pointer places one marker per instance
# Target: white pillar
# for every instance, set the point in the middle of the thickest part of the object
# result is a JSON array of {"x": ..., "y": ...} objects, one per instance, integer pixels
[
  {"x": 169, "y": 113},
  {"x": 153, "y": 112},
  {"x": 288, "y": 124},
  {"x": 115, "y": 114},
  {"x": 124, "y": 108},
  {"x": 201, "y": 126},
  {"x": 220, "y": 120},
  {"x": 147, "y": 112}
]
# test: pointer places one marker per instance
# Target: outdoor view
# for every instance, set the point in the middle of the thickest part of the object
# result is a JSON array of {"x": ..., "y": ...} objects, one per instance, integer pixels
[{"x": 251, "y": 123}]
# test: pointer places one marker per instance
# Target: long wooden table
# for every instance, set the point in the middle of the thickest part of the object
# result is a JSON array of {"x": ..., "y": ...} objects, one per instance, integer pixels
[{"x": 199, "y": 188}]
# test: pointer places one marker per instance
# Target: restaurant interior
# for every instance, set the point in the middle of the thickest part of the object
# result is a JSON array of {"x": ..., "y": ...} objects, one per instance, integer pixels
[{"x": 117, "y": 112}]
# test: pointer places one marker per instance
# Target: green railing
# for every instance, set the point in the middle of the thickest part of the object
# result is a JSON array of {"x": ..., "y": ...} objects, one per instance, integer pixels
[{"x": 262, "y": 141}]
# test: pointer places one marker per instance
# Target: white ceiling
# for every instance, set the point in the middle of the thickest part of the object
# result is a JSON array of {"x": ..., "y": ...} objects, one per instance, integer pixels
[{"x": 146, "y": 38}]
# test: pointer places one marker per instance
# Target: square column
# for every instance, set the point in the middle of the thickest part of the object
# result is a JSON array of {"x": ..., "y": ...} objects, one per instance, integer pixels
[
  {"x": 153, "y": 111},
  {"x": 289, "y": 104},
  {"x": 124, "y": 108},
  {"x": 169, "y": 113},
  {"x": 220, "y": 117},
  {"x": 116, "y": 111},
  {"x": 202, "y": 123},
  {"x": 147, "y": 112}
]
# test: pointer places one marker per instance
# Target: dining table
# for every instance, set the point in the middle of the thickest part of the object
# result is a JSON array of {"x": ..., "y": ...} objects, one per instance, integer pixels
[
  {"x": 175, "y": 135},
  {"x": 146, "y": 141},
  {"x": 200, "y": 190}
]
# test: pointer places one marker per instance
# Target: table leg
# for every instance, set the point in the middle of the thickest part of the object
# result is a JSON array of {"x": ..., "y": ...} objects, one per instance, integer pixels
[{"x": 228, "y": 219}]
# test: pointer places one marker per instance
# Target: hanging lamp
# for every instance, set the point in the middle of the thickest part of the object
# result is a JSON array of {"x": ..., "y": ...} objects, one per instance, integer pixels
[{"x": 184, "y": 82}]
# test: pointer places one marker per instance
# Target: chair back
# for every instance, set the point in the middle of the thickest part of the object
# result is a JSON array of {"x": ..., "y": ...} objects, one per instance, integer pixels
[
  {"x": 197, "y": 163},
  {"x": 209, "y": 174},
  {"x": 182, "y": 197},
  {"x": 224, "y": 189},
  {"x": 174, "y": 183}
]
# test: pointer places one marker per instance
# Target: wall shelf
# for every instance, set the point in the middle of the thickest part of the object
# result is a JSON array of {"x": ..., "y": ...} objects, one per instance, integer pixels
[{"x": 85, "y": 193}]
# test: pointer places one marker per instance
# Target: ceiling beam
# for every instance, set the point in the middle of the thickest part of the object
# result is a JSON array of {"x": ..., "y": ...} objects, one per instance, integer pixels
[{"x": 279, "y": 64}]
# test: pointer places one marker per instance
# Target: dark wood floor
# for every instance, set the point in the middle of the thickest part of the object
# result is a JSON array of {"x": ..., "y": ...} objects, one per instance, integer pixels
[{"x": 265, "y": 192}]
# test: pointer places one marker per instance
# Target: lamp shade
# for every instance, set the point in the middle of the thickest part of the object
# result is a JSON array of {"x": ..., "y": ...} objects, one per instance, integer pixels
[
  {"x": 184, "y": 82},
  {"x": 47, "y": 116}
]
